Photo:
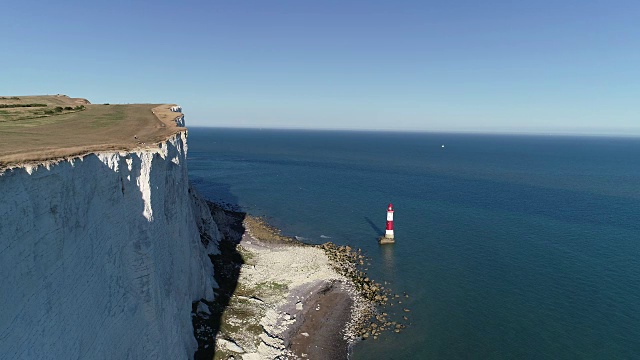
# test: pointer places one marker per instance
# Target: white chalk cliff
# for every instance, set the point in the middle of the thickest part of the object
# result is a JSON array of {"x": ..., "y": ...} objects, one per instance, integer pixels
[{"x": 101, "y": 256}]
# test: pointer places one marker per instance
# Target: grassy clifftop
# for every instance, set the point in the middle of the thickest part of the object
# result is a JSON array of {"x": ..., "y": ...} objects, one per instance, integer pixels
[{"x": 40, "y": 128}]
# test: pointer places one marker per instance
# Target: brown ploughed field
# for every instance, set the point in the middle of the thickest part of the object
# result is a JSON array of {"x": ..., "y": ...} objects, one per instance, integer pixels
[{"x": 40, "y": 128}]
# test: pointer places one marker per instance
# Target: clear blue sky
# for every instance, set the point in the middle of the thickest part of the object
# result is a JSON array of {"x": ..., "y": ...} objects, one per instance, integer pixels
[{"x": 515, "y": 66}]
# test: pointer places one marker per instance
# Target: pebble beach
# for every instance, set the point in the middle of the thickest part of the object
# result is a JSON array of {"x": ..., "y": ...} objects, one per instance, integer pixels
[
  {"x": 279, "y": 298},
  {"x": 288, "y": 300}
]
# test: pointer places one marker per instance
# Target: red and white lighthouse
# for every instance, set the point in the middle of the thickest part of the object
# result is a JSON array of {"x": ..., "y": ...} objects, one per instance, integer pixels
[{"x": 388, "y": 234}]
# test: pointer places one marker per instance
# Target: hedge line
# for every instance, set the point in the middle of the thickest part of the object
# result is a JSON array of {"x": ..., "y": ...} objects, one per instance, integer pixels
[{"x": 5, "y": 106}]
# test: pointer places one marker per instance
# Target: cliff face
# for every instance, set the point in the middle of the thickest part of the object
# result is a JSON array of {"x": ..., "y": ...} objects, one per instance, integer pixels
[{"x": 101, "y": 257}]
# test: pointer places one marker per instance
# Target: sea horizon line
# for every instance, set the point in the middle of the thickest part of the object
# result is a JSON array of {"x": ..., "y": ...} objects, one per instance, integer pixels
[{"x": 451, "y": 132}]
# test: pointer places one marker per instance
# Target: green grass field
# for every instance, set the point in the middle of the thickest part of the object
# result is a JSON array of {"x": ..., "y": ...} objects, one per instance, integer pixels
[{"x": 26, "y": 135}]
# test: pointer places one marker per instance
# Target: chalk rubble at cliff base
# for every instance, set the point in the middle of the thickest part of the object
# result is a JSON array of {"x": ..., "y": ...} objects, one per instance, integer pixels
[
  {"x": 276, "y": 283},
  {"x": 279, "y": 281}
]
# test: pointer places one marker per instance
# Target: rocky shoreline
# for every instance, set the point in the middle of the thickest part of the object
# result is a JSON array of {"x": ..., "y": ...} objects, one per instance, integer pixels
[{"x": 281, "y": 299}]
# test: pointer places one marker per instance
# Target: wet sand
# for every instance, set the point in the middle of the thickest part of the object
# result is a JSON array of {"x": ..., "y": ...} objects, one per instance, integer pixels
[{"x": 321, "y": 335}]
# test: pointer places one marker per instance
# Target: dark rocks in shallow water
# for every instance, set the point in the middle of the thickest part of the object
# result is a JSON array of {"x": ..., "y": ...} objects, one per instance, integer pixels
[{"x": 346, "y": 262}]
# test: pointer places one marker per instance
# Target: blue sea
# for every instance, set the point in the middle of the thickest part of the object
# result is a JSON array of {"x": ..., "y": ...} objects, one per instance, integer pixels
[{"x": 510, "y": 247}]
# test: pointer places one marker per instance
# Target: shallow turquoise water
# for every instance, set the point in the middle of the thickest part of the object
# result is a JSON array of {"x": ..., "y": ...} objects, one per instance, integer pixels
[{"x": 509, "y": 246}]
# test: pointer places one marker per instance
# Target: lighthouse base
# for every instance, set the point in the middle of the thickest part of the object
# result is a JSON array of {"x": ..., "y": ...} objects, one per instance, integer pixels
[{"x": 386, "y": 240}]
